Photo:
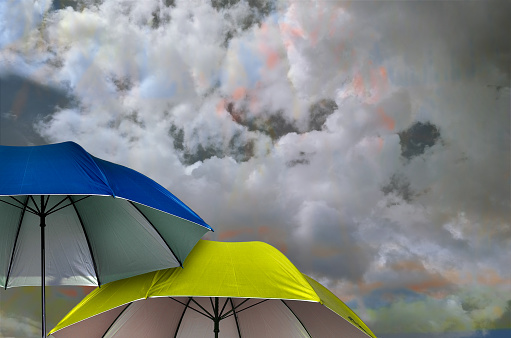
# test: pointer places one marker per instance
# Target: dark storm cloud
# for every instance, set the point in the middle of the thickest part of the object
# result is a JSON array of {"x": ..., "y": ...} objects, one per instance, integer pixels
[
  {"x": 470, "y": 37},
  {"x": 23, "y": 103}
]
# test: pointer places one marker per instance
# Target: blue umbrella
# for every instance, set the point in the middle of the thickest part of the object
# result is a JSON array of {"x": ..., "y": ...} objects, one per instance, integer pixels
[{"x": 98, "y": 221}]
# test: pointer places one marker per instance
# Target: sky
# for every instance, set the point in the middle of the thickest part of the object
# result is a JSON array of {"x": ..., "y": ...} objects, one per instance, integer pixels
[{"x": 369, "y": 141}]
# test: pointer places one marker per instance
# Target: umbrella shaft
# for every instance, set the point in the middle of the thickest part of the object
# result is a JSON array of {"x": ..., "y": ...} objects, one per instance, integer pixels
[
  {"x": 217, "y": 327},
  {"x": 43, "y": 277},
  {"x": 217, "y": 318}
]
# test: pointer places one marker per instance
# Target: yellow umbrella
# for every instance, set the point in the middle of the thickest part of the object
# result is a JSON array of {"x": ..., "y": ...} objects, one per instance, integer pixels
[{"x": 245, "y": 289}]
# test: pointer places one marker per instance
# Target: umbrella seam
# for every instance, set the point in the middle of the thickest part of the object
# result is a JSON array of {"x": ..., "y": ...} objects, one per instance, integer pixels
[
  {"x": 105, "y": 179},
  {"x": 153, "y": 282},
  {"x": 86, "y": 300},
  {"x": 289, "y": 308},
  {"x": 15, "y": 243},
  {"x": 234, "y": 273},
  {"x": 157, "y": 231},
  {"x": 87, "y": 240},
  {"x": 116, "y": 319},
  {"x": 205, "y": 225},
  {"x": 25, "y": 171}
]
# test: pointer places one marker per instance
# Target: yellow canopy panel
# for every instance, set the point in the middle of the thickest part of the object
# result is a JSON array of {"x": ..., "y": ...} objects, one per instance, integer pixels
[{"x": 222, "y": 271}]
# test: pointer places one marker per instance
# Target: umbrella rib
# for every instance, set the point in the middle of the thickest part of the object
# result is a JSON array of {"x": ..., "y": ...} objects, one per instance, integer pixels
[
  {"x": 223, "y": 307},
  {"x": 180, "y": 302},
  {"x": 15, "y": 243},
  {"x": 52, "y": 210},
  {"x": 22, "y": 205},
  {"x": 46, "y": 202},
  {"x": 87, "y": 239},
  {"x": 159, "y": 234},
  {"x": 116, "y": 319},
  {"x": 230, "y": 313},
  {"x": 182, "y": 315},
  {"x": 14, "y": 205},
  {"x": 35, "y": 204},
  {"x": 235, "y": 317},
  {"x": 208, "y": 315},
  {"x": 294, "y": 314}
]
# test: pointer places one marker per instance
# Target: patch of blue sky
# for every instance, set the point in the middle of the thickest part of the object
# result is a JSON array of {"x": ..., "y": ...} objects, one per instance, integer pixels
[
  {"x": 252, "y": 63},
  {"x": 153, "y": 88},
  {"x": 274, "y": 17}
]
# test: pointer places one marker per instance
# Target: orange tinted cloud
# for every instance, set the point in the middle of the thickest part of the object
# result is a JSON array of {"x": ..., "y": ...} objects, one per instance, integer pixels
[
  {"x": 69, "y": 292},
  {"x": 358, "y": 84},
  {"x": 294, "y": 32},
  {"x": 272, "y": 56},
  {"x": 383, "y": 74},
  {"x": 426, "y": 286},
  {"x": 223, "y": 235},
  {"x": 331, "y": 22},
  {"x": 368, "y": 287},
  {"x": 491, "y": 277},
  {"x": 324, "y": 252},
  {"x": 272, "y": 59},
  {"x": 290, "y": 33},
  {"x": 220, "y": 107},
  {"x": 431, "y": 284},
  {"x": 379, "y": 83},
  {"x": 380, "y": 144},
  {"x": 239, "y": 93},
  {"x": 263, "y": 230},
  {"x": 388, "y": 121},
  {"x": 407, "y": 266},
  {"x": 282, "y": 247}
]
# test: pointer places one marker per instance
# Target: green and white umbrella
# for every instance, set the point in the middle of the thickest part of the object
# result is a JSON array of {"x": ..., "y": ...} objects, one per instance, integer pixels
[{"x": 69, "y": 218}]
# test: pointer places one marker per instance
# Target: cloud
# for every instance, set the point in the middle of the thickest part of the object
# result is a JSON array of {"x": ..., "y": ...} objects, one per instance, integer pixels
[
  {"x": 20, "y": 314},
  {"x": 21, "y": 102},
  {"x": 18, "y": 326},
  {"x": 302, "y": 124},
  {"x": 464, "y": 312},
  {"x": 19, "y": 19}
]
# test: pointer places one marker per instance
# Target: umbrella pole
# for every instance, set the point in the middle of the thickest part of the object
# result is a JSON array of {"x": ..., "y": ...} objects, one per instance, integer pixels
[
  {"x": 43, "y": 269},
  {"x": 217, "y": 318}
]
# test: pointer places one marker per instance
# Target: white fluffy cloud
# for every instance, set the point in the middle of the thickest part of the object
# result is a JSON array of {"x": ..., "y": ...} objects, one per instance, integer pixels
[{"x": 216, "y": 104}]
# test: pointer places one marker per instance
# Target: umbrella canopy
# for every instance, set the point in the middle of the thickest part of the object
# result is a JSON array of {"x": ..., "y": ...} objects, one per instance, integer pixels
[
  {"x": 225, "y": 289},
  {"x": 69, "y": 218}
]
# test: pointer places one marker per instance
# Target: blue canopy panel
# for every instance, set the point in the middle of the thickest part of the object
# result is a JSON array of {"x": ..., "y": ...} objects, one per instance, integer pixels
[{"x": 67, "y": 169}]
